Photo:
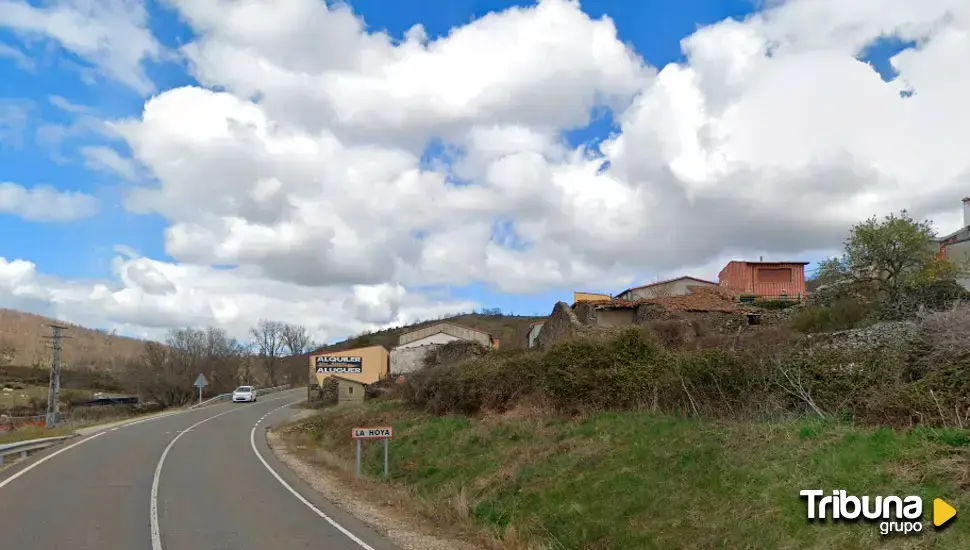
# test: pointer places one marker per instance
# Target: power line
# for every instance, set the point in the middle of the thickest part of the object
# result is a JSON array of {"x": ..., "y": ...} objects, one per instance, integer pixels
[{"x": 54, "y": 391}]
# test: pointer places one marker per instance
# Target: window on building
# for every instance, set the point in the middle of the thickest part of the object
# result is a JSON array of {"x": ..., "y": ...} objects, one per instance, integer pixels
[
  {"x": 774, "y": 275},
  {"x": 350, "y": 389}
]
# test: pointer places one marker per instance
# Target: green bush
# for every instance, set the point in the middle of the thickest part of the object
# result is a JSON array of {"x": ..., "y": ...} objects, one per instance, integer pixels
[
  {"x": 628, "y": 370},
  {"x": 773, "y": 374},
  {"x": 935, "y": 296},
  {"x": 842, "y": 314}
]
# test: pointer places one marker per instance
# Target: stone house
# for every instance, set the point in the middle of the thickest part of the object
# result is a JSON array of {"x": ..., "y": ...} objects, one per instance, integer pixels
[
  {"x": 349, "y": 392},
  {"x": 705, "y": 307}
]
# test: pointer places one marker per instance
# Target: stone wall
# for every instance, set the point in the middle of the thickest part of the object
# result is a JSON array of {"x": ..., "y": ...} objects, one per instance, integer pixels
[
  {"x": 717, "y": 321},
  {"x": 585, "y": 313},
  {"x": 901, "y": 334},
  {"x": 453, "y": 353},
  {"x": 650, "y": 312},
  {"x": 674, "y": 332},
  {"x": 562, "y": 324},
  {"x": 703, "y": 321}
]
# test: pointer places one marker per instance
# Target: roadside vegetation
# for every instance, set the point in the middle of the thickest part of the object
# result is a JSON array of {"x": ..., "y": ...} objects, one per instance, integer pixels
[
  {"x": 637, "y": 479},
  {"x": 642, "y": 438},
  {"x": 160, "y": 375}
]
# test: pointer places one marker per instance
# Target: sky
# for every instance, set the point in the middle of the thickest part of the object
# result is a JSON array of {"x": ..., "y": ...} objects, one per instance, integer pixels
[{"x": 353, "y": 166}]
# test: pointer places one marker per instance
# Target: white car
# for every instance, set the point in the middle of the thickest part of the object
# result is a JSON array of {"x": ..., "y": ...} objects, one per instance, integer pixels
[{"x": 244, "y": 394}]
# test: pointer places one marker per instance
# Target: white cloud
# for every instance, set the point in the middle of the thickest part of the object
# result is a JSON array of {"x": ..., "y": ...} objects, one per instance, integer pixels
[
  {"x": 65, "y": 105},
  {"x": 110, "y": 34},
  {"x": 44, "y": 203},
  {"x": 106, "y": 159},
  {"x": 13, "y": 120},
  {"x": 306, "y": 172},
  {"x": 17, "y": 56},
  {"x": 153, "y": 296},
  {"x": 52, "y": 135},
  {"x": 316, "y": 68}
]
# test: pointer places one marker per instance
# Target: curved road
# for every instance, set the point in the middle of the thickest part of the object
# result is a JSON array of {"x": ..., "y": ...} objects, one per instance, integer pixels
[{"x": 197, "y": 480}]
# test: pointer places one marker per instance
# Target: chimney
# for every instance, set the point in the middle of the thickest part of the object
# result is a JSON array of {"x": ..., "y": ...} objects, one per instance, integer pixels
[{"x": 966, "y": 211}]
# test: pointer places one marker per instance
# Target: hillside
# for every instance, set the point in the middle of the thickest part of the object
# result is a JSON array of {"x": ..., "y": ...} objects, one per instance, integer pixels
[
  {"x": 23, "y": 342},
  {"x": 511, "y": 330}
]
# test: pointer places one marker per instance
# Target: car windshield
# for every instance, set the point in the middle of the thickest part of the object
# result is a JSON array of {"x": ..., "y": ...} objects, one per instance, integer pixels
[{"x": 244, "y": 389}]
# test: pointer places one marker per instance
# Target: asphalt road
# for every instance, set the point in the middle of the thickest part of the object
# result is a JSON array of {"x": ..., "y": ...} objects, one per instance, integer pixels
[{"x": 198, "y": 480}]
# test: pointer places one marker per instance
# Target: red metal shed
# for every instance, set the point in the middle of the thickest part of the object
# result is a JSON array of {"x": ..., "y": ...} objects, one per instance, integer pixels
[{"x": 764, "y": 279}]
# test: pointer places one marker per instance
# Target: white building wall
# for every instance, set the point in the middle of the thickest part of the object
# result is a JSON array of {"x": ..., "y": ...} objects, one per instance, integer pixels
[
  {"x": 534, "y": 334},
  {"x": 959, "y": 253},
  {"x": 437, "y": 338},
  {"x": 410, "y": 357}
]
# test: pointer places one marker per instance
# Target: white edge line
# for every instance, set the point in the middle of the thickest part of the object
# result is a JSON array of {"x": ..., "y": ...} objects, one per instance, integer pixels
[
  {"x": 317, "y": 511},
  {"x": 156, "y": 530},
  {"x": 46, "y": 458},
  {"x": 85, "y": 439}
]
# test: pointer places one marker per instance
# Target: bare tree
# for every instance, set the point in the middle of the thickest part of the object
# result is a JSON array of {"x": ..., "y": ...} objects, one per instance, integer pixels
[
  {"x": 268, "y": 339},
  {"x": 164, "y": 373},
  {"x": 296, "y": 339},
  {"x": 158, "y": 377}
]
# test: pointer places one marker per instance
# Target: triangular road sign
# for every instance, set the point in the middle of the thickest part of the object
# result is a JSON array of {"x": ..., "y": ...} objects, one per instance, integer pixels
[{"x": 201, "y": 382}]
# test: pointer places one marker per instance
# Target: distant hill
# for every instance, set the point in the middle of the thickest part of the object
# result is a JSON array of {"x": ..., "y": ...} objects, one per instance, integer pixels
[
  {"x": 511, "y": 331},
  {"x": 23, "y": 335},
  {"x": 22, "y": 339}
]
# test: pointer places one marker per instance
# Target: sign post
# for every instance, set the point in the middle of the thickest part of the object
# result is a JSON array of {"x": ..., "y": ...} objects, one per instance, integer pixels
[
  {"x": 200, "y": 383},
  {"x": 380, "y": 432}
]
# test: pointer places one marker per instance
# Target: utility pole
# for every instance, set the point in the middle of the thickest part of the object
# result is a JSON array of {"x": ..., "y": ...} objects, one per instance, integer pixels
[{"x": 54, "y": 392}]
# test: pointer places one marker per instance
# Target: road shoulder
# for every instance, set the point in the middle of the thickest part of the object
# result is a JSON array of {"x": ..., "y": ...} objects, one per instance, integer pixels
[{"x": 372, "y": 503}]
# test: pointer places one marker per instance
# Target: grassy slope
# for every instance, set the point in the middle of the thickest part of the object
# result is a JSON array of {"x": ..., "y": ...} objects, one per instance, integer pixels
[{"x": 635, "y": 480}]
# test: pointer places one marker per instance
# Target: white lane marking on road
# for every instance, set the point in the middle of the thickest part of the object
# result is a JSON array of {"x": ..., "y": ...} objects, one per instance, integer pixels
[
  {"x": 317, "y": 511},
  {"x": 150, "y": 418},
  {"x": 156, "y": 530},
  {"x": 45, "y": 459},
  {"x": 71, "y": 446}
]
